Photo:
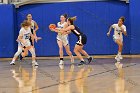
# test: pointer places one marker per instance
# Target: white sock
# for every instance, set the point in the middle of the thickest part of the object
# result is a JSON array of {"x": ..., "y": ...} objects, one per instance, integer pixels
[
  {"x": 88, "y": 57},
  {"x": 33, "y": 61},
  {"x": 83, "y": 60},
  {"x": 71, "y": 56},
  {"x": 13, "y": 60},
  {"x": 119, "y": 53}
]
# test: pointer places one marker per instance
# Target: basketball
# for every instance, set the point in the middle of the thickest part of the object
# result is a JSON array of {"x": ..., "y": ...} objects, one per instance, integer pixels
[{"x": 52, "y": 26}]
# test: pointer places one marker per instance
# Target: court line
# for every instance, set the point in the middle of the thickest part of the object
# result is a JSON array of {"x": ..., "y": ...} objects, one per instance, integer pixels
[{"x": 80, "y": 78}]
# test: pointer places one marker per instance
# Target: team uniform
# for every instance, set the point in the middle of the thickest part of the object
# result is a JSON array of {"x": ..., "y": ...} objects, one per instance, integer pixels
[
  {"x": 117, "y": 32},
  {"x": 32, "y": 30},
  {"x": 118, "y": 35},
  {"x": 82, "y": 38},
  {"x": 60, "y": 37},
  {"x": 26, "y": 37},
  {"x": 26, "y": 34}
]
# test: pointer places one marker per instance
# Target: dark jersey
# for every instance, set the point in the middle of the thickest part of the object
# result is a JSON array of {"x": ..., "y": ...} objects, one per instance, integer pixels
[{"x": 77, "y": 31}]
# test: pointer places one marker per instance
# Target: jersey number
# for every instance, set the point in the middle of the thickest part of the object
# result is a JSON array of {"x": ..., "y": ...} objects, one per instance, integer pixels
[{"x": 27, "y": 36}]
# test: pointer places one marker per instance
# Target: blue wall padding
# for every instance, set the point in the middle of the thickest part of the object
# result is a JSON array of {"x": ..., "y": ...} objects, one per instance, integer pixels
[
  {"x": 7, "y": 30},
  {"x": 94, "y": 19},
  {"x": 135, "y": 26}
]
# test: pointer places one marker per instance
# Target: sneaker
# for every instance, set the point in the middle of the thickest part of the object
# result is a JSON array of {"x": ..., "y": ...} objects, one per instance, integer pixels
[
  {"x": 61, "y": 62},
  {"x": 34, "y": 63},
  {"x": 72, "y": 60},
  {"x": 116, "y": 57},
  {"x": 20, "y": 57},
  {"x": 89, "y": 60},
  {"x": 82, "y": 63},
  {"x": 120, "y": 56},
  {"x": 12, "y": 63}
]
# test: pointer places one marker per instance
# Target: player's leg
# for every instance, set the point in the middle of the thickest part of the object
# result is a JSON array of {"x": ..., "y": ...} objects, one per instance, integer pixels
[
  {"x": 19, "y": 51},
  {"x": 60, "y": 45}
]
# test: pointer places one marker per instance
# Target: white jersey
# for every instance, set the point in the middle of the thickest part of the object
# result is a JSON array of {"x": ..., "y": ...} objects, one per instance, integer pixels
[
  {"x": 60, "y": 37},
  {"x": 117, "y": 31},
  {"x": 59, "y": 25},
  {"x": 26, "y": 34}
]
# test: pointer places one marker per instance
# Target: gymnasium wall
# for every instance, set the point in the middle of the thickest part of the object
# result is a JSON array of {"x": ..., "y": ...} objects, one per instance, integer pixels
[
  {"x": 94, "y": 19},
  {"x": 135, "y": 26},
  {"x": 7, "y": 30}
]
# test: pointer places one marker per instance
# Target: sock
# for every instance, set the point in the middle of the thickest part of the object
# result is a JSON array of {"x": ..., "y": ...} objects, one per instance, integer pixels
[
  {"x": 82, "y": 60},
  {"x": 61, "y": 58},
  {"x": 88, "y": 57},
  {"x": 71, "y": 56},
  {"x": 13, "y": 60},
  {"x": 119, "y": 53}
]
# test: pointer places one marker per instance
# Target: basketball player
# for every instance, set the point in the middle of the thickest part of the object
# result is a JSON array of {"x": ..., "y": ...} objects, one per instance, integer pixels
[
  {"x": 24, "y": 41},
  {"x": 82, "y": 39},
  {"x": 119, "y": 30},
  {"x": 62, "y": 40},
  {"x": 34, "y": 27}
]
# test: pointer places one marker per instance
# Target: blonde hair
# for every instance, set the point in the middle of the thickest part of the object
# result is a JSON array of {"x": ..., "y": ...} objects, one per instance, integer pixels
[
  {"x": 25, "y": 23},
  {"x": 72, "y": 19}
]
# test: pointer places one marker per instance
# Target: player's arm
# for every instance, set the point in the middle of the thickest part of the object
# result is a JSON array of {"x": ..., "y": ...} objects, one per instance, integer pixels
[
  {"x": 20, "y": 36},
  {"x": 36, "y": 28},
  {"x": 65, "y": 25},
  {"x": 110, "y": 29},
  {"x": 57, "y": 30},
  {"x": 21, "y": 40},
  {"x": 67, "y": 30},
  {"x": 124, "y": 31}
]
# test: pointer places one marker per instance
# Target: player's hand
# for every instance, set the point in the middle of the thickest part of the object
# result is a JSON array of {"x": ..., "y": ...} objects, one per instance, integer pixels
[
  {"x": 52, "y": 29},
  {"x": 36, "y": 39},
  {"x": 121, "y": 29},
  {"x": 39, "y": 38},
  {"x": 62, "y": 32},
  {"x": 108, "y": 34}
]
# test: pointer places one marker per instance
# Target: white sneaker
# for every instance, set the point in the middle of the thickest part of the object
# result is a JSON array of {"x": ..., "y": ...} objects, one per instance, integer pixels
[
  {"x": 61, "y": 62},
  {"x": 72, "y": 59},
  {"x": 34, "y": 63},
  {"x": 12, "y": 63},
  {"x": 116, "y": 57},
  {"x": 120, "y": 56}
]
